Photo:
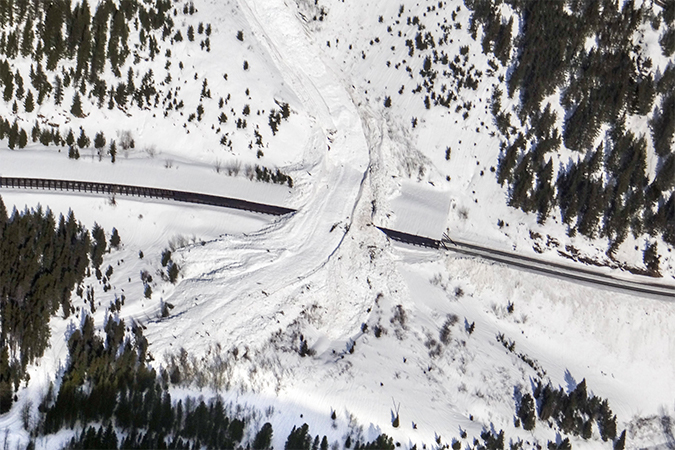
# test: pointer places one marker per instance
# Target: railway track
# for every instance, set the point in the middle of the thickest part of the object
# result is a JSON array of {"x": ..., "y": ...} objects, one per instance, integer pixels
[
  {"x": 511, "y": 259},
  {"x": 140, "y": 191},
  {"x": 570, "y": 273}
]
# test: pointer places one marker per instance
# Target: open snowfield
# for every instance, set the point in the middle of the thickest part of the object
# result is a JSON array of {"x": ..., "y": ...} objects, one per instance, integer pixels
[{"x": 253, "y": 287}]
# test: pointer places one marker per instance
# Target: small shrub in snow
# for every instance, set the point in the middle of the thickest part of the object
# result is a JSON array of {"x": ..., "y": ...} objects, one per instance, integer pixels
[
  {"x": 126, "y": 140},
  {"x": 99, "y": 140},
  {"x": 233, "y": 168},
  {"x": 446, "y": 330},
  {"x": 73, "y": 153},
  {"x": 166, "y": 257},
  {"x": 115, "y": 239},
  {"x": 173, "y": 272},
  {"x": 304, "y": 348}
]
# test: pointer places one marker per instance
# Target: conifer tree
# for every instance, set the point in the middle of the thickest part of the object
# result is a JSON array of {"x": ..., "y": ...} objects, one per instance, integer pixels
[
  {"x": 6, "y": 393},
  {"x": 58, "y": 90},
  {"x": 83, "y": 141},
  {"x": 35, "y": 132},
  {"x": 76, "y": 108},
  {"x": 665, "y": 177},
  {"x": 117, "y": 30},
  {"x": 73, "y": 152},
  {"x": 29, "y": 103},
  {"x": 99, "y": 37},
  {"x": 263, "y": 439},
  {"x": 113, "y": 151},
  {"x": 19, "y": 85},
  {"x": 27, "y": 38},
  {"x": 173, "y": 272},
  {"x": 663, "y": 125},
  {"x": 508, "y": 159},
  {"x": 99, "y": 140},
  {"x": 3, "y": 216},
  {"x": 13, "y": 136},
  {"x": 52, "y": 39},
  {"x": 70, "y": 137},
  {"x": 115, "y": 238},
  {"x": 650, "y": 258},
  {"x": 644, "y": 96},
  {"x": 100, "y": 89},
  {"x": 12, "y": 48},
  {"x": 526, "y": 412},
  {"x": 45, "y": 137},
  {"x": 83, "y": 52},
  {"x": 23, "y": 138},
  {"x": 131, "y": 88},
  {"x": 9, "y": 87},
  {"x": 620, "y": 443},
  {"x": 299, "y": 438},
  {"x": 121, "y": 95},
  {"x": 98, "y": 245},
  {"x": 667, "y": 42},
  {"x": 523, "y": 177}
]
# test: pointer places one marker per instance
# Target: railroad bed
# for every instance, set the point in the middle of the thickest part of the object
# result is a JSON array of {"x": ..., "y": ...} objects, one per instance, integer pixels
[{"x": 141, "y": 191}]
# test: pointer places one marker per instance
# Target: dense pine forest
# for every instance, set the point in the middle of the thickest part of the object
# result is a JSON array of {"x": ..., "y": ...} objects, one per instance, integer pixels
[
  {"x": 604, "y": 88},
  {"x": 42, "y": 259}
]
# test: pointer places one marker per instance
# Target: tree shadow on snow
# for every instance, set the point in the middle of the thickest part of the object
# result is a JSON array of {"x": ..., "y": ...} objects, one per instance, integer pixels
[{"x": 571, "y": 382}]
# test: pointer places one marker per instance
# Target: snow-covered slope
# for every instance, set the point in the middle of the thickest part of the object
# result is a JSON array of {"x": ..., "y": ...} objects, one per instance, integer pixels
[{"x": 388, "y": 325}]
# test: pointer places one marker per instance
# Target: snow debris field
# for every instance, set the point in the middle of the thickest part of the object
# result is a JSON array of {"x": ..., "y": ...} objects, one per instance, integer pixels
[{"x": 316, "y": 317}]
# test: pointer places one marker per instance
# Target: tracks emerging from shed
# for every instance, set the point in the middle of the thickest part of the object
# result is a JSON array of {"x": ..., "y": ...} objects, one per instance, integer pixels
[{"x": 141, "y": 191}]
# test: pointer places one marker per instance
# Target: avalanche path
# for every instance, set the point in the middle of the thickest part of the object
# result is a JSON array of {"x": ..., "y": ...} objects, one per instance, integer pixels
[{"x": 243, "y": 284}]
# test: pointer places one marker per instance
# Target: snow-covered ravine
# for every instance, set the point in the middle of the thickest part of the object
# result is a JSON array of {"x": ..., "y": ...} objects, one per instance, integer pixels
[{"x": 243, "y": 283}]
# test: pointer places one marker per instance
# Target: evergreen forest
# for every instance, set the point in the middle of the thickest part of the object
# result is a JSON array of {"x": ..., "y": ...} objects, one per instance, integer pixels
[
  {"x": 605, "y": 190},
  {"x": 42, "y": 259}
]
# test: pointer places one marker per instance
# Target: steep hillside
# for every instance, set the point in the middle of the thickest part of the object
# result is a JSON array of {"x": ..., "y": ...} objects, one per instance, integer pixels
[
  {"x": 561, "y": 112},
  {"x": 426, "y": 117},
  {"x": 158, "y": 80}
]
